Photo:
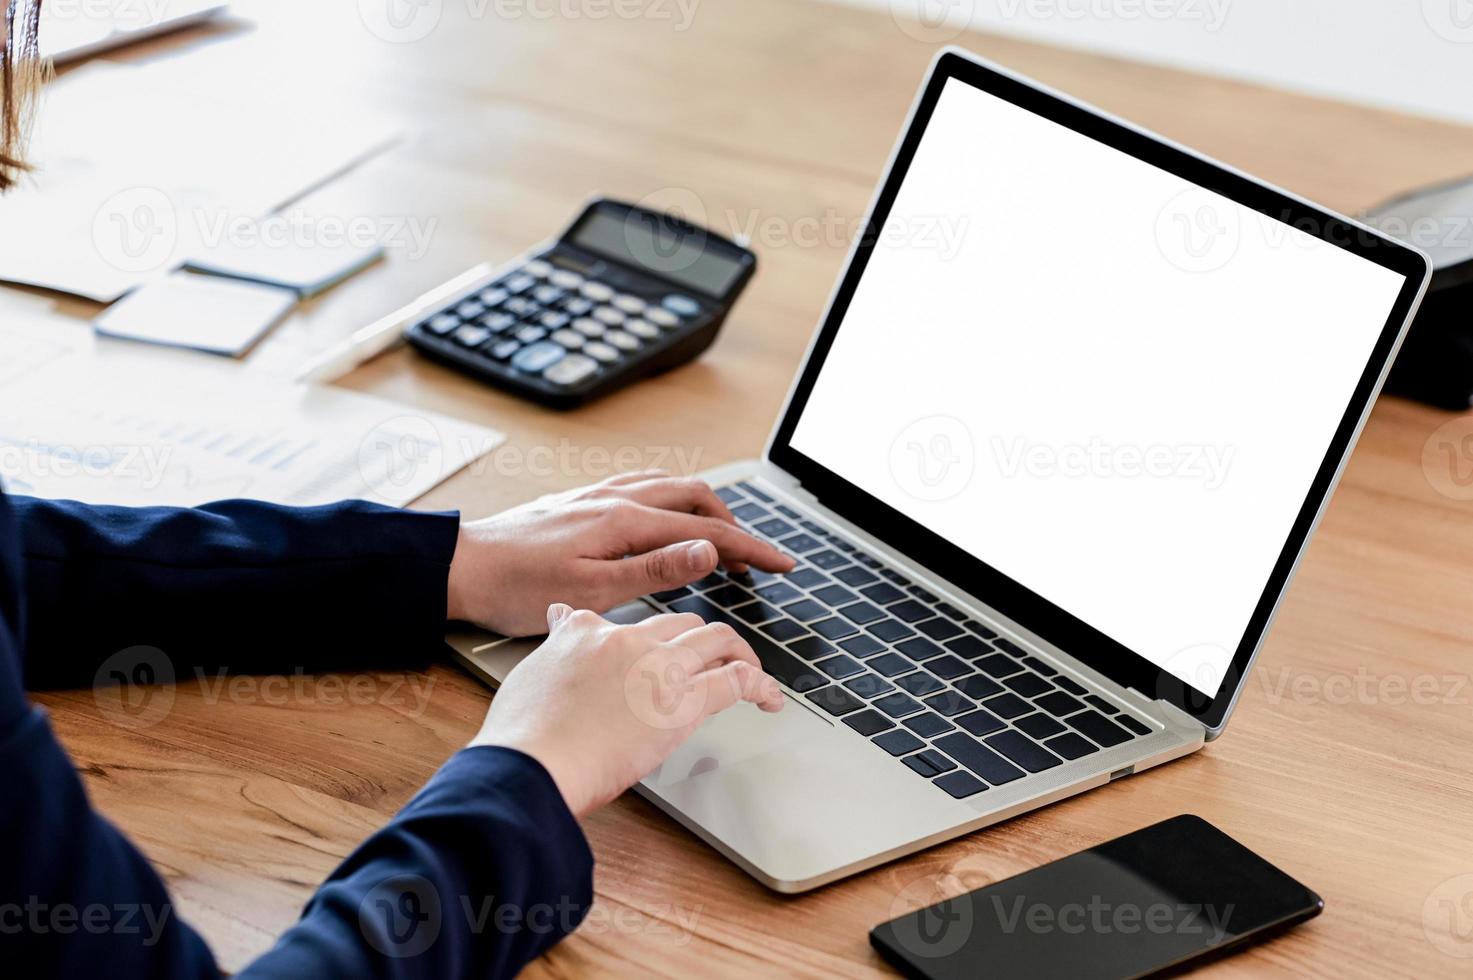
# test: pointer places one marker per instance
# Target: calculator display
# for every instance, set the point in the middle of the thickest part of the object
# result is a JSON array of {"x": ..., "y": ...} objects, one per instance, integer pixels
[{"x": 648, "y": 242}]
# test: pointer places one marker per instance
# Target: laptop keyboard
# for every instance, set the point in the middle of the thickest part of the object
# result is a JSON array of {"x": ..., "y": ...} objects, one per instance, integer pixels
[{"x": 945, "y": 695}]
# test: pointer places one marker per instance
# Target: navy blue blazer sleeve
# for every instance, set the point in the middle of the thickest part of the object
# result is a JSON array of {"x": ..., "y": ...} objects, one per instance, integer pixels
[
  {"x": 239, "y": 585},
  {"x": 481, "y": 872}
]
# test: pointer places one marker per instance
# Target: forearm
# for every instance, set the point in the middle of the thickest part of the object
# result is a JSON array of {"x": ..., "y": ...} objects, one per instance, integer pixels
[{"x": 237, "y": 584}]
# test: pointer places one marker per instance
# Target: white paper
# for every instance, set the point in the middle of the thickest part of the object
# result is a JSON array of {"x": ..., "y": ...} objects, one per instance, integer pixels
[
  {"x": 184, "y": 429},
  {"x": 305, "y": 268},
  {"x": 206, "y": 313}
]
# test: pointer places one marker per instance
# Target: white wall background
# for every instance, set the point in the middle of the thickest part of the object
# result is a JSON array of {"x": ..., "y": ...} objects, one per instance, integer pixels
[{"x": 1411, "y": 55}]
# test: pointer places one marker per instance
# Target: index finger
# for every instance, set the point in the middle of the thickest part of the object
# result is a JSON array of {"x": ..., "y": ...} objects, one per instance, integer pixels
[{"x": 654, "y": 528}]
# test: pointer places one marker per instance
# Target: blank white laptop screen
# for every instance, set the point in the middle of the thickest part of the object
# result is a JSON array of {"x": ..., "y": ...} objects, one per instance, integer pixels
[{"x": 1109, "y": 384}]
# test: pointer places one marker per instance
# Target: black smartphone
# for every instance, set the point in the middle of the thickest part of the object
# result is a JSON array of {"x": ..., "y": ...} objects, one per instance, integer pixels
[{"x": 1169, "y": 895}]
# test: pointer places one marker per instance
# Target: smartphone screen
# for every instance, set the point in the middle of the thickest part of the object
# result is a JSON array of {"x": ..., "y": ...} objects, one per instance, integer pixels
[{"x": 1152, "y": 900}]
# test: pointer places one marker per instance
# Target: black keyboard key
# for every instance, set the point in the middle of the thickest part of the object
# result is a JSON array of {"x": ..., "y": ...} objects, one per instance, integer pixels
[
  {"x": 919, "y": 649},
  {"x": 1008, "y": 646},
  {"x": 835, "y": 700},
  {"x": 979, "y": 758},
  {"x": 1038, "y": 725},
  {"x": 800, "y": 543},
  {"x": 950, "y": 611},
  {"x": 1007, "y": 706},
  {"x": 1134, "y": 724},
  {"x": 840, "y": 667},
  {"x": 895, "y": 577},
  {"x": 806, "y": 610},
  {"x": 869, "y": 686},
  {"x": 779, "y": 592},
  {"x": 898, "y": 742},
  {"x": 934, "y": 759},
  {"x": 861, "y": 613},
  {"x": 811, "y": 647},
  {"x": 1038, "y": 666},
  {"x": 834, "y": 629},
  {"x": 948, "y": 667},
  {"x": 968, "y": 646},
  {"x": 981, "y": 722},
  {"x": 960, "y": 785},
  {"x": 898, "y": 705},
  {"x": 749, "y": 512},
  {"x": 979, "y": 687},
  {"x": 1059, "y": 704},
  {"x": 890, "y": 630},
  {"x": 868, "y": 561},
  {"x": 728, "y": 494},
  {"x": 782, "y": 664},
  {"x": 855, "y": 576},
  {"x": 891, "y": 665},
  {"x": 784, "y": 630},
  {"x": 729, "y": 596},
  {"x": 1028, "y": 685},
  {"x": 868, "y": 722},
  {"x": 787, "y": 511},
  {"x": 807, "y": 578},
  {"x": 813, "y": 527},
  {"x": 761, "y": 495},
  {"x": 775, "y": 527},
  {"x": 919, "y": 763},
  {"x": 670, "y": 595},
  {"x": 1023, "y": 750},
  {"x": 921, "y": 594},
  {"x": 1095, "y": 701},
  {"x": 828, "y": 559},
  {"x": 1069, "y": 684},
  {"x": 834, "y": 595},
  {"x": 928, "y": 725},
  {"x": 939, "y": 629},
  {"x": 862, "y": 646},
  {"x": 707, "y": 611},
  {"x": 920, "y": 684},
  {"x": 910, "y": 611},
  {"x": 975, "y": 627},
  {"x": 1098, "y": 727},
  {"x": 712, "y": 581},
  {"x": 998, "y": 666},
  {"x": 1071, "y": 746},
  {"x": 882, "y": 592},
  {"x": 949, "y": 703},
  {"x": 757, "y": 612}
]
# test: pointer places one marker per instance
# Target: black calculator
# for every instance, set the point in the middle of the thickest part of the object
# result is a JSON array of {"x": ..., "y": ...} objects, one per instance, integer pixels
[{"x": 624, "y": 293}]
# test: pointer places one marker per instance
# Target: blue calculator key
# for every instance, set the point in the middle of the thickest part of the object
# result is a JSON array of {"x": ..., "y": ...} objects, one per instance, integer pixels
[{"x": 537, "y": 357}]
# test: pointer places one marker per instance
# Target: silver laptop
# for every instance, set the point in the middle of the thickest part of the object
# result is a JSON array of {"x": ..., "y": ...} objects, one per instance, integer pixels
[{"x": 1075, "y": 407}]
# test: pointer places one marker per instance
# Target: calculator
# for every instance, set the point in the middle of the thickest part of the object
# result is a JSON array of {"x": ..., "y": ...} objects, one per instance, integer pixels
[{"x": 624, "y": 293}]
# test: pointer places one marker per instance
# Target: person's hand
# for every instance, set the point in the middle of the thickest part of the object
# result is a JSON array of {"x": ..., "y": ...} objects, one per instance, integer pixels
[
  {"x": 600, "y": 705},
  {"x": 596, "y": 548}
]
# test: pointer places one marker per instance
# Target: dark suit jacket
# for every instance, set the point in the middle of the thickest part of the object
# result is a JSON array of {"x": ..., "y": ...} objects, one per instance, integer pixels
[{"x": 479, "y": 873}]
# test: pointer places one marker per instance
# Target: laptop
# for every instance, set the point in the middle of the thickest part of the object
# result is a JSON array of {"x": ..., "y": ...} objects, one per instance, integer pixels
[{"x": 1075, "y": 407}]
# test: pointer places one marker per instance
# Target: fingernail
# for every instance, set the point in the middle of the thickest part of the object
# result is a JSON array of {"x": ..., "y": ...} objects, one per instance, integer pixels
[{"x": 700, "y": 554}]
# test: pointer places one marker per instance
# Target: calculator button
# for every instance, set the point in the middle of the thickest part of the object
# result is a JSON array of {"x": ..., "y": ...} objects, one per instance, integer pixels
[
  {"x": 601, "y": 351},
  {"x": 537, "y": 268},
  {"x": 503, "y": 349},
  {"x": 589, "y": 328},
  {"x": 518, "y": 284},
  {"x": 530, "y": 335},
  {"x": 622, "y": 340},
  {"x": 442, "y": 324},
  {"x": 629, "y": 304},
  {"x": 470, "y": 310},
  {"x": 571, "y": 369},
  {"x": 538, "y": 357},
  {"x": 571, "y": 339},
  {"x": 609, "y": 315},
  {"x": 597, "y": 292},
  {"x": 662, "y": 317},
  {"x": 578, "y": 306},
  {"x": 492, "y": 297},
  {"x": 547, "y": 294},
  {"x": 497, "y": 322},
  {"x": 680, "y": 305},
  {"x": 553, "y": 321},
  {"x": 642, "y": 329},
  {"x": 472, "y": 336},
  {"x": 565, "y": 279},
  {"x": 520, "y": 306}
]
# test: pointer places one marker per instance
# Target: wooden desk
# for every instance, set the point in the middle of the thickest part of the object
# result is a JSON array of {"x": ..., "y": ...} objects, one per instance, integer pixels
[{"x": 777, "y": 115}]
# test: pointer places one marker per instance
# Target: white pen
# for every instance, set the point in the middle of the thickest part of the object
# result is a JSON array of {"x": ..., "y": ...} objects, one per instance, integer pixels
[{"x": 366, "y": 343}]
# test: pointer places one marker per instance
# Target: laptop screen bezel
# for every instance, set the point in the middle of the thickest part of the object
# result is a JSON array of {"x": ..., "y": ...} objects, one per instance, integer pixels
[{"x": 1008, "y": 597}]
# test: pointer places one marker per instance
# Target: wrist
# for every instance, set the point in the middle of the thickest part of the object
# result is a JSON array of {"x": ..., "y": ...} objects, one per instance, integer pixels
[
  {"x": 577, "y": 802},
  {"x": 455, "y": 604}
]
